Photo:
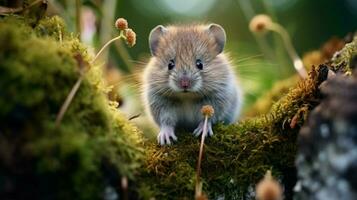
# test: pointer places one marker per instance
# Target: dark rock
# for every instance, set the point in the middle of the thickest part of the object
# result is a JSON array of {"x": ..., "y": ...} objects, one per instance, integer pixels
[{"x": 327, "y": 158}]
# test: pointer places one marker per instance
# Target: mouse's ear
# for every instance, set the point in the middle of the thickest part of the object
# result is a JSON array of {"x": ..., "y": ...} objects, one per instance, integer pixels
[
  {"x": 219, "y": 34},
  {"x": 154, "y": 37}
]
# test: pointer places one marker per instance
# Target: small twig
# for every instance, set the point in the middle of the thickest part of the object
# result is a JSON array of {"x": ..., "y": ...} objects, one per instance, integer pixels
[
  {"x": 298, "y": 64},
  {"x": 6, "y": 10},
  {"x": 198, "y": 173},
  {"x": 124, "y": 186},
  {"x": 59, "y": 33},
  {"x": 125, "y": 55},
  {"x": 76, "y": 86},
  {"x": 207, "y": 112},
  {"x": 261, "y": 23},
  {"x": 68, "y": 100},
  {"x": 134, "y": 116},
  {"x": 83, "y": 67},
  {"x": 129, "y": 34},
  {"x": 78, "y": 17},
  {"x": 201, "y": 147},
  {"x": 106, "y": 44}
]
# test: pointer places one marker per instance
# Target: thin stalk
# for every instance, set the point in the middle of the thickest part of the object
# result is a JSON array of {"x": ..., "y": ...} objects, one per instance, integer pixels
[
  {"x": 60, "y": 37},
  {"x": 106, "y": 44},
  {"x": 124, "y": 186},
  {"x": 76, "y": 86},
  {"x": 106, "y": 23},
  {"x": 68, "y": 101},
  {"x": 249, "y": 13},
  {"x": 78, "y": 17},
  {"x": 6, "y": 10},
  {"x": 277, "y": 47},
  {"x": 125, "y": 55},
  {"x": 198, "y": 172},
  {"x": 298, "y": 64}
]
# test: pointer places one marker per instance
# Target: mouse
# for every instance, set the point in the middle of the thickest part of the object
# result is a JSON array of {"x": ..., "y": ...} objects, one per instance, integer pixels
[{"x": 187, "y": 70}]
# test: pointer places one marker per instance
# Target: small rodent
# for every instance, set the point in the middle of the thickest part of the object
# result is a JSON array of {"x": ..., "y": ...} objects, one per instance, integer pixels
[{"x": 188, "y": 69}]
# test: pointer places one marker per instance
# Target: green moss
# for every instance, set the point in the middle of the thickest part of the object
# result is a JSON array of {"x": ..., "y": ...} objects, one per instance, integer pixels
[
  {"x": 52, "y": 27},
  {"x": 238, "y": 155},
  {"x": 93, "y": 146},
  {"x": 344, "y": 56}
]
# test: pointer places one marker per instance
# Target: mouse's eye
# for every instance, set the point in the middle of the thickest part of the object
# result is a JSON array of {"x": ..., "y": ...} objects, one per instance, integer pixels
[
  {"x": 171, "y": 64},
  {"x": 199, "y": 64}
]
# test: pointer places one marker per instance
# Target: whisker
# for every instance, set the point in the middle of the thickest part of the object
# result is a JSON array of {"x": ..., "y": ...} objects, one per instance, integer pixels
[
  {"x": 249, "y": 57},
  {"x": 257, "y": 64},
  {"x": 138, "y": 62}
]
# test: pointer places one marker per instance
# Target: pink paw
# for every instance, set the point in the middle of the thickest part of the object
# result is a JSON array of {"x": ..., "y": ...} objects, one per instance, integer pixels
[
  {"x": 199, "y": 130},
  {"x": 165, "y": 135}
]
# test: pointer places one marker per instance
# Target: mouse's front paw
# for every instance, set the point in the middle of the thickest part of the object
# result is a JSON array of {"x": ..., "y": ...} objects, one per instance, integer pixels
[
  {"x": 166, "y": 132},
  {"x": 197, "y": 132}
]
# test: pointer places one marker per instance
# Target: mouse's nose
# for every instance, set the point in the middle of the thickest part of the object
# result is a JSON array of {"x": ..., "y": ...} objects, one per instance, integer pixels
[{"x": 185, "y": 82}]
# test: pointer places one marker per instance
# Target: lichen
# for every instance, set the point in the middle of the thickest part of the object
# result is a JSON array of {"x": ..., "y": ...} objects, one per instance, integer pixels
[{"x": 93, "y": 146}]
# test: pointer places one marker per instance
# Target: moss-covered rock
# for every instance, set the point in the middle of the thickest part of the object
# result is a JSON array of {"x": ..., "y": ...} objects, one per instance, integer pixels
[
  {"x": 327, "y": 158},
  {"x": 93, "y": 146},
  {"x": 238, "y": 155}
]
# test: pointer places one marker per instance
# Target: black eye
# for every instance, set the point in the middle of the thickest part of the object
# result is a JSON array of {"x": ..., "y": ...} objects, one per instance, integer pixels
[
  {"x": 199, "y": 64},
  {"x": 171, "y": 64}
]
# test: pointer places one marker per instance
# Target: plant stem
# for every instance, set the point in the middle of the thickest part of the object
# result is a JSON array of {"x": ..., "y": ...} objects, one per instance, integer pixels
[
  {"x": 105, "y": 45},
  {"x": 6, "y": 10},
  {"x": 78, "y": 17},
  {"x": 198, "y": 172},
  {"x": 298, "y": 64},
  {"x": 249, "y": 13},
  {"x": 68, "y": 100},
  {"x": 125, "y": 55},
  {"x": 76, "y": 86}
]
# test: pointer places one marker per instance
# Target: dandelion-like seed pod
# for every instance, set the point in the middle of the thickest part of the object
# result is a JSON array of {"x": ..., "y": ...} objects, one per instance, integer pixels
[
  {"x": 121, "y": 24},
  {"x": 207, "y": 110},
  {"x": 130, "y": 37},
  {"x": 268, "y": 189},
  {"x": 260, "y": 23}
]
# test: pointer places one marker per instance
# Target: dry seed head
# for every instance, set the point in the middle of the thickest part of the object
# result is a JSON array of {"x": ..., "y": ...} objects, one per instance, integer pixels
[
  {"x": 130, "y": 37},
  {"x": 121, "y": 24},
  {"x": 268, "y": 188},
  {"x": 207, "y": 110},
  {"x": 260, "y": 23}
]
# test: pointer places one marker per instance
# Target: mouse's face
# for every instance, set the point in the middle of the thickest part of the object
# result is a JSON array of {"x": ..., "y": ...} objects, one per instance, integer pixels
[{"x": 186, "y": 56}]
